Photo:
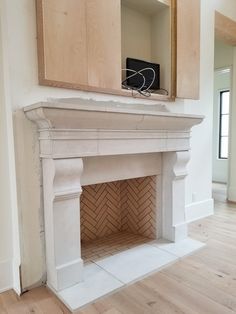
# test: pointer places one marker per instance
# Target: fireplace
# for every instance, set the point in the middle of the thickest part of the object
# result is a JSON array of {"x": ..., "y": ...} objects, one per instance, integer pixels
[
  {"x": 118, "y": 215},
  {"x": 113, "y": 180}
]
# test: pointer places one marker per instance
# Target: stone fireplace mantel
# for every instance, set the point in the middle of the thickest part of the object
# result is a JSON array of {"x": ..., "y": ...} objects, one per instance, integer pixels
[
  {"x": 73, "y": 130},
  {"x": 98, "y": 129}
]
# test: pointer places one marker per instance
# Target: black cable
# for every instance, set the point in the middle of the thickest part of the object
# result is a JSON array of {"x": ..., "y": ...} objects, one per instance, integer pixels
[{"x": 142, "y": 90}]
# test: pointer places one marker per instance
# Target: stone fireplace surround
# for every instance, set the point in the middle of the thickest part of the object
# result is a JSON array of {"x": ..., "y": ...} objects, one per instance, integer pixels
[{"x": 84, "y": 143}]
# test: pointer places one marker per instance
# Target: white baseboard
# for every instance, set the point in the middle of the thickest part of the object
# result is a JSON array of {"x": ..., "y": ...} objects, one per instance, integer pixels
[
  {"x": 6, "y": 276},
  {"x": 232, "y": 194},
  {"x": 199, "y": 210},
  {"x": 16, "y": 277}
]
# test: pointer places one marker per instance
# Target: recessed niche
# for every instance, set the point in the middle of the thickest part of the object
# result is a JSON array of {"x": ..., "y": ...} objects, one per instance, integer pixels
[{"x": 146, "y": 35}]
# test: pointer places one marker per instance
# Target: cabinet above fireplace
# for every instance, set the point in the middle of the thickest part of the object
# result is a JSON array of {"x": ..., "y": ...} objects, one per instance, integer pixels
[{"x": 83, "y": 44}]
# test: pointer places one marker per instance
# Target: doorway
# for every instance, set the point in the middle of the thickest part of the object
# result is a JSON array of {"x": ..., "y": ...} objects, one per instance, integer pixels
[
  {"x": 221, "y": 118},
  {"x": 224, "y": 146}
]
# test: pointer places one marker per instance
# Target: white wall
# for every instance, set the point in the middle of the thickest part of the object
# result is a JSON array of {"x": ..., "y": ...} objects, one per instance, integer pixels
[
  {"x": 226, "y": 56},
  {"x": 198, "y": 186},
  {"x": 223, "y": 55},
  {"x": 6, "y": 241},
  {"x": 9, "y": 235},
  {"x": 132, "y": 23},
  {"x": 22, "y": 55},
  {"x": 232, "y": 147},
  {"x": 222, "y": 81}
]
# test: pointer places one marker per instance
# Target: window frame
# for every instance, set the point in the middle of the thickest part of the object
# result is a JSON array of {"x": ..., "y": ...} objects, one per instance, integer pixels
[{"x": 221, "y": 92}]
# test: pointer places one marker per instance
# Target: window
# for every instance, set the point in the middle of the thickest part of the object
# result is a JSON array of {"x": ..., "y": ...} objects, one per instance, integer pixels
[{"x": 224, "y": 124}]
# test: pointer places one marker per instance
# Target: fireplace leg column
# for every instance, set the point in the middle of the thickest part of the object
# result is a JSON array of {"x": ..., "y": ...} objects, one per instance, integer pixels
[
  {"x": 62, "y": 189},
  {"x": 174, "y": 226}
]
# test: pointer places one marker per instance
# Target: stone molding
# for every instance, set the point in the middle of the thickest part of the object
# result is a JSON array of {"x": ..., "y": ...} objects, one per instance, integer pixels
[
  {"x": 70, "y": 130},
  {"x": 62, "y": 189}
]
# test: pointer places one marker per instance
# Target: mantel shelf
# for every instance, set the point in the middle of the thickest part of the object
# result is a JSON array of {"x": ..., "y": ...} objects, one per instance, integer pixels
[
  {"x": 91, "y": 114},
  {"x": 75, "y": 127}
]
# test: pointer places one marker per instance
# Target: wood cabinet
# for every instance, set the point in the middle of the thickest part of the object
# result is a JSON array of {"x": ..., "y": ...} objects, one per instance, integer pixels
[
  {"x": 103, "y": 37},
  {"x": 79, "y": 43},
  {"x": 188, "y": 48},
  {"x": 83, "y": 44},
  {"x": 62, "y": 42}
]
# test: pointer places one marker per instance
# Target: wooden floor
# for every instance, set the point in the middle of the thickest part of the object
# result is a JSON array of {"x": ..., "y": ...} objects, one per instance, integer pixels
[{"x": 202, "y": 283}]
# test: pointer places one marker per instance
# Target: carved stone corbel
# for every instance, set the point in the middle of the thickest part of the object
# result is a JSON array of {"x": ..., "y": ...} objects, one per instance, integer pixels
[
  {"x": 174, "y": 227},
  {"x": 62, "y": 191}
]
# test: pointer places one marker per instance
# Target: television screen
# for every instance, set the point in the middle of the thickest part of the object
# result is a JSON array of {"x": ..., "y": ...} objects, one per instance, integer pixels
[{"x": 137, "y": 80}]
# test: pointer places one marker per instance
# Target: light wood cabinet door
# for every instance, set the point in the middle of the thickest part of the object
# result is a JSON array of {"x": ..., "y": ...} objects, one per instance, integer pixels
[
  {"x": 188, "y": 49},
  {"x": 62, "y": 42},
  {"x": 104, "y": 43},
  {"x": 79, "y": 44}
]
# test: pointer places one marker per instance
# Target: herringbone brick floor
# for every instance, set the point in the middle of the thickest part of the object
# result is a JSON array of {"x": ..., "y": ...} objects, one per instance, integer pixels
[{"x": 115, "y": 243}]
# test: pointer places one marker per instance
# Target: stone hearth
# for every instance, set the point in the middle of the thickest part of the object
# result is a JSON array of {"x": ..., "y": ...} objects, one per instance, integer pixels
[{"x": 87, "y": 143}]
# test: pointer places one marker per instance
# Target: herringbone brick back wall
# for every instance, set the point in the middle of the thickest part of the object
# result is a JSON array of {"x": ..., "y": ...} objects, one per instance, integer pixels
[
  {"x": 138, "y": 203},
  {"x": 127, "y": 205},
  {"x": 100, "y": 210}
]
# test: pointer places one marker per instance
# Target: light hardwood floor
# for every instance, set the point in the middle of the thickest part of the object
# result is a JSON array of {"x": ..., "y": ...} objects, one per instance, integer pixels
[{"x": 203, "y": 283}]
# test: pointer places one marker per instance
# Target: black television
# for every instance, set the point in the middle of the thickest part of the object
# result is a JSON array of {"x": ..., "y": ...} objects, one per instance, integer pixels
[{"x": 137, "y": 81}]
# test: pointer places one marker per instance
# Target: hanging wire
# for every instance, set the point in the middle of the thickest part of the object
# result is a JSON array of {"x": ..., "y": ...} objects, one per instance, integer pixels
[{"x": 143, "y": 89}]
